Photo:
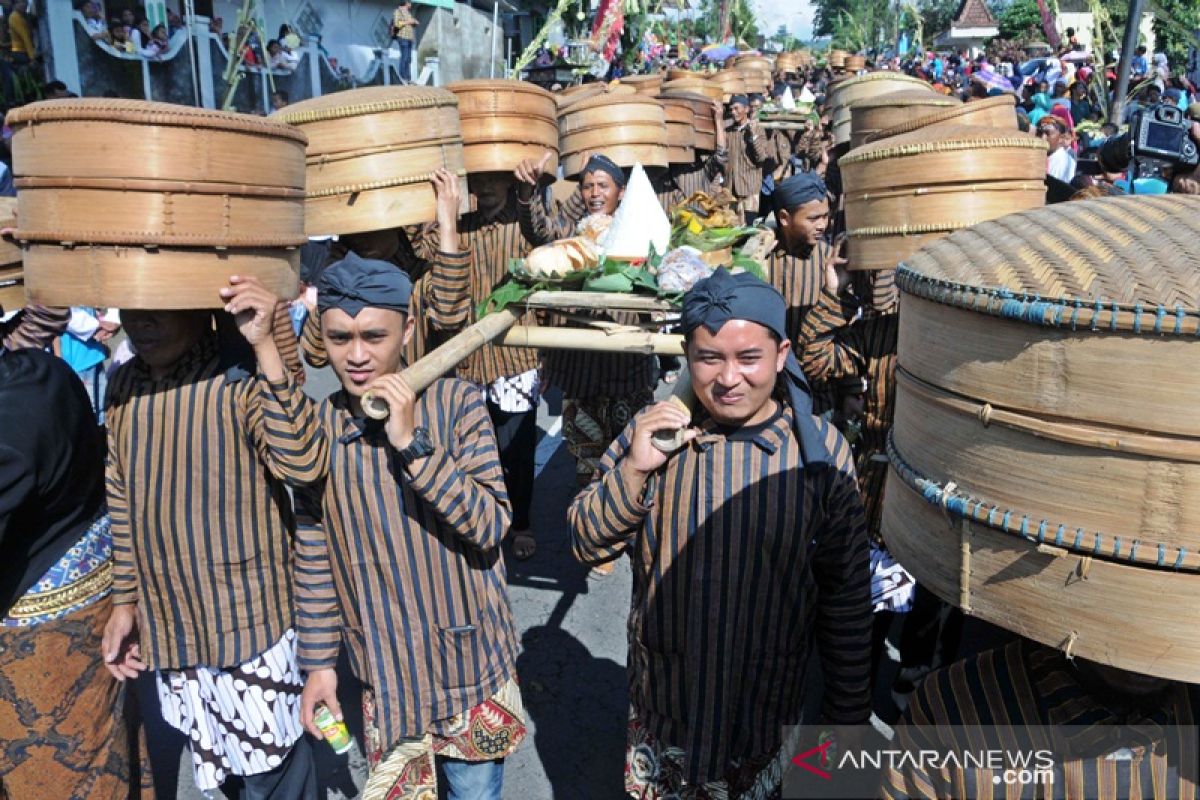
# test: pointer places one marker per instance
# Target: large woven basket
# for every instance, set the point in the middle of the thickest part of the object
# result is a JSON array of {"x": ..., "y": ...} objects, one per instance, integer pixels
[
  {"x": 12, "y": 288},
  {"x": 837, "y": 59},
  {"x": 629, "y": 129},
  {"x": 855, "y": 63},
  {"x": 845, "y": 93},
  {"x": 990, "y": 112},
  {"x": 904, "y": 192},
  {"x": 1046, "y": 450},
  {"x": 372, "y": 153},
  {"x": 681, "y": 125},
  {"x": 678, "y": 73},
  {"x": 505, "y": 122},
  {"x": 704, "y": 126},
  {"x": 874, "y": 114},
  {"x": 701, "y": 86},
  {"x": 644, "y": 84},
  {"x": 731, "y": 81},
  {"x": 158, "y": 210}
]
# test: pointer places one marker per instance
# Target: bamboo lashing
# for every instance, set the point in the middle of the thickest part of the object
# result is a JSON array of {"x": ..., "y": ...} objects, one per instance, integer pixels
[{"x": 1044, "y": 400}]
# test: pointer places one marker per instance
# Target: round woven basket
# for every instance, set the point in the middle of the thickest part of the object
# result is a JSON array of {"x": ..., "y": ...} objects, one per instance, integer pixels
[
  {"x": 585, "y": 92},
  {"x": 731, "y": 81},
  {"x": 644, "y": 84},
  {"x": 372, "y": 153},
  {"x": 179, "y": 184},
  {"x": 837, "y": 59},
  {"x": 12, "y": 289},
  {"x": 873, "y": 114},
  {"x": 10, "y": 251},
  {"x": 855, "y": 63},
  {"x": 990, "y": 112},
  {"x": 902, "y": 190},
  {"x": 787, "y": 62},
  {"x": 629, "y": 129},
  {"x": 756, "y": 80},
  {"x": 681, "y": 122},
  {"x": 1046, "y": 454},
  {"x": 704, "y": 126},
  {"x": 675, "y": 74},
  {"x": 701, "y": 86},
  {"x": 505, "y": 122},
  {"x": 845, "y": 93},
  {"x": 752, "y": 61}
]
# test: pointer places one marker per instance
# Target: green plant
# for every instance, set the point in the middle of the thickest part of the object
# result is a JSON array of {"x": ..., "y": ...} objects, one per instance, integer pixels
[{"x": 1020, "y": 19}]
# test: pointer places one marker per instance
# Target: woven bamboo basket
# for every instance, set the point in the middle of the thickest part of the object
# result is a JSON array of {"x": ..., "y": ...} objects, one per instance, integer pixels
[
  {"x": 845, "y": 93},
  {"x": 676, "y": 73},
  {"x": 1046, "y": 453},
  {"x": 700, "y": 86},
  {"x": 752, "y": 61},
  {"x": 990, "y": 112},
  {"x": 505, "y": 122},
  {"x": 731, "y": 81},
  {"x": 855, "y": 63},
  {"x": 704, "y": 127},
  {"x": 233, "y": 203},
  {"x": 12, "y": 289},
  {"x": 874, "y": 114},
  {"x": 787, "y": 62},
  {"x": 10, "y": 251},
  {"x": 756, "y": 80},
  {"x": 644, "y": 84},
  {"x": 903, "y": 191},
  {"x": 590, "y": 90},
  {"x": 371, "y": 154},
  {"x": 627, "y": 128},
  {"x": 837, "y": 59},
  {"x": 681, "y": 121}
]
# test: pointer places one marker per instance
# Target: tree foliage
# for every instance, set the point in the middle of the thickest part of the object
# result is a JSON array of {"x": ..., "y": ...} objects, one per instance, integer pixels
[{"x": 1019, "y": 19}]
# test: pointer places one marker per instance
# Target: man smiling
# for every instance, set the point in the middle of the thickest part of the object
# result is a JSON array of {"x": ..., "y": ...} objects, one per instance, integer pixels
[
  {"x": 744, "y": 543},
  {"x": 801, "y": 256}
]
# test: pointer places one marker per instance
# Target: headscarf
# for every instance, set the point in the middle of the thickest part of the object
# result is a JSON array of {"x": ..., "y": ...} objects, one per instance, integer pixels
[
  {"x": 722, "y": 297},
  {"x": 602, "y": 163},
  {"x": 1041, "y": 107},
  {"x": 801, "y": 188},
  {"x": 355, "y": 283},
  {"x": 740, "y": 98}
]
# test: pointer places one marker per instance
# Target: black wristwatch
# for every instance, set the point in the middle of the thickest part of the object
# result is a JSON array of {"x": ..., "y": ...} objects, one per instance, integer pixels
[{"x": 420, "y": 447}]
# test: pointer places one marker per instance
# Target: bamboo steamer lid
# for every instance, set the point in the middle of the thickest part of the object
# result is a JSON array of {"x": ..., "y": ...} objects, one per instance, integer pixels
[
  {"x": 629, "y": 129},
  {"x": 855, "y": 63},
  {"x": 505, "y": 122},
  {"x": 846, "y": 92},
  {"x": 174, "y": 199},
  {"x": 12, "y": 289},
  {"x": 700, "y": 86},
  {"x": 874, "y": 114},
  {"x": 731, "y": 81},
  {"x": 1046, "y": 370},
  {"x": 681, "y": 121},
  {"x": 645, "y": 84},
  {"x": 703, "y": 124},
  {"x": 371, "y": 154},
  {"x": 990, "y": 112},
  {"x": 903, "y": 192}
]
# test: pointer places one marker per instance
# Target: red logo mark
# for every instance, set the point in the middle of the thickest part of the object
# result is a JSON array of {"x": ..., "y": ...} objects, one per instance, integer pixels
[{"x": 823, "y": 749}]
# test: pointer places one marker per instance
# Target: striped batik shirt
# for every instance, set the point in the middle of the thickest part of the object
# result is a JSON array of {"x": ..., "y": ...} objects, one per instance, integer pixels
[
  {"x": 739, "y": 556},
  {"x": 1024, "y": 687},
  {"x": 838, "y": 340},
  {"x": 748, "y": 151},
  {"x": 407, "y": 569},
  {"x": 491, "y": 243},
  {"x": 201, "y": 519},
  {"x": 34, "y": 326},
  {"x": 584, "y": 374},
  {"x": 285, "y": 341},
  {"x": 800, "y": 280},
  {"x": 702, "y": 175}
]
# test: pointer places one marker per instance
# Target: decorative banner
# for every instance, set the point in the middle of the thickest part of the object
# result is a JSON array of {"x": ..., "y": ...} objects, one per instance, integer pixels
[
  {"x": 1048, "y": 26},
  {"x": 607, "y": 28}
]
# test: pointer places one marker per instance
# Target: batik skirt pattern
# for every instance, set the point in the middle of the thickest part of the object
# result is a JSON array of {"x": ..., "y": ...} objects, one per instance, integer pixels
[
  {"x": 239, "y": 721},
  {"x": 591, "y": 424},
  {"x": 489, "y": 731}
]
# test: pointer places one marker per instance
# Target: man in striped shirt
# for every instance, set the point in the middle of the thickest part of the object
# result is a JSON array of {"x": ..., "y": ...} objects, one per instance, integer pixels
[
  {"x": 407, "y": 571},
  {"x": 745, "y": 542},
  {"x": 801, "y": 258},
  {"x": 200, "y": 442},
  {"x": 34, "y": 326},
  {"x": 748, "y": 152},
  {"x": 707, "y": 173}
]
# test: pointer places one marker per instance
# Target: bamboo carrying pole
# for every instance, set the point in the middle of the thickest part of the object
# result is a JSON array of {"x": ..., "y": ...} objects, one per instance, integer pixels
[{"x": 594, "y": 340}]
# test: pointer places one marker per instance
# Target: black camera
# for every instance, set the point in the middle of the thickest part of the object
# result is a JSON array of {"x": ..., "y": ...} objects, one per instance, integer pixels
[{"x": 1158, "y": 134}]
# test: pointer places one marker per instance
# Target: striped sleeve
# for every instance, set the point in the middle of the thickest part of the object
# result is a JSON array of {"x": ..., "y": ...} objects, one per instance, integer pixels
[
  {"x": 37, "y": 327},
  {"x": 716, "y": 164},
  {"x": 757, "y": 147},
  {"x": 465, "y": 486},
  {"x": 311, "y": 343},
  {"x": 285, "y": 341},
  {"x": 605, "y": 515},
  {"x": 841, "y": 567},
  {"x": 827, "y": 344},
  {"x": 283, "y": 421},
  {"x": 318, "y": 615},
  {"x": 124, "y": 591},
  {"x": 448, "y": 292},
  {"x": 541, "y": 226}
]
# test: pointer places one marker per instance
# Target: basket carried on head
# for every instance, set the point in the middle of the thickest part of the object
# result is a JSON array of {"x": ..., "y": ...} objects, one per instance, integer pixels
[
  {"x": 873, "y": 114},
  {"x": 704, "y": 123},
  {"x": 1046, "y": 450},
  {"x": 160, "y": 208},
  {"x": 505, "y": 122},
  {"x": 629, "y": 129},
  {"x": 848, "y": 91},
  {"x": 907, "y": 191},
  {"x": 372, "y": 154},
  {"x": 701, "y": 86},
  {"x": 992, "y": 112}
]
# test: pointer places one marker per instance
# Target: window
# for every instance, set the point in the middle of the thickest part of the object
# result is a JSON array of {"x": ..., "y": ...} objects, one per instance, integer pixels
[{"x": 308, "y": 21}]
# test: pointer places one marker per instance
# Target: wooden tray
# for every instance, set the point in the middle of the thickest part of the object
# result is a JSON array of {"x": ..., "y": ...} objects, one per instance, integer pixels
[
  {"x": 240, "y": 183},
  {"x": 627, "y": 128},
  {"x": 505, "y": 122},
  {"x": 873, "y": 114},
  {"x": 371, "y": 153},
  {"x": 132, "y": 277},
  {"x": 990, "y": 112}
]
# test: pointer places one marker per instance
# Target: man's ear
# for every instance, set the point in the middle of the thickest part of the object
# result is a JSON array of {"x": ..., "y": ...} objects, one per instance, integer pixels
[
  {"x": 785, "y": 348},
  {"x": 410, "y": 327}
]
